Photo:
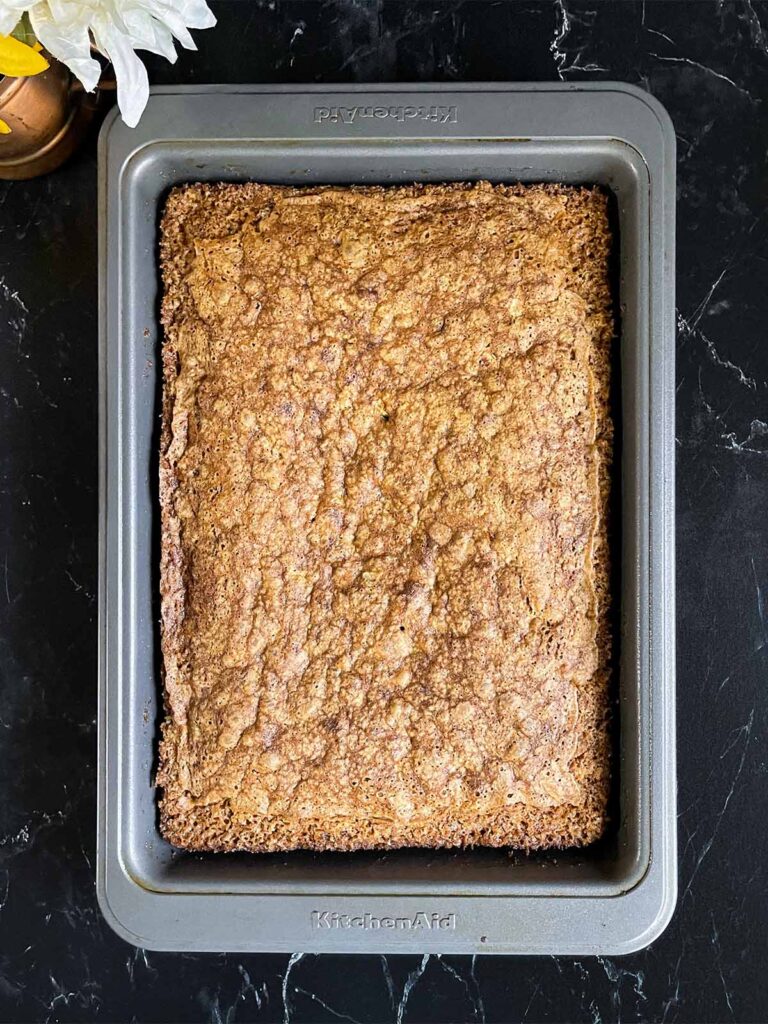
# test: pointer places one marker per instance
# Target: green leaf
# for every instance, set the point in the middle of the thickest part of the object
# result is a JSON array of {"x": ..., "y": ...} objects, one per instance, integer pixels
[{"x": 23, "y": 31}]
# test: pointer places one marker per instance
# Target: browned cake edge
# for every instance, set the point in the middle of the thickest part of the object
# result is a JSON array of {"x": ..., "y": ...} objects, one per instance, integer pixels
[{"x": 211, "y": 828}]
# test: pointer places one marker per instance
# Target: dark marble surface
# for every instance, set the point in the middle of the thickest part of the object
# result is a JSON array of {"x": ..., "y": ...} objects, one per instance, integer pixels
[{"x": 708, "y": 63}]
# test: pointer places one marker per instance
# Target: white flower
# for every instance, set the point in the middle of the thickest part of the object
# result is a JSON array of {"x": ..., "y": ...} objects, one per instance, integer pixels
[{"x": 118, "y": 28}]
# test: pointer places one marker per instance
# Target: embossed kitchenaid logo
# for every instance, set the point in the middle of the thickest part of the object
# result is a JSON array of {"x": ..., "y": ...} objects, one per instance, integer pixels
[
  {"x": 325, "y": 919},
  {"x": 348, "y": 115}
]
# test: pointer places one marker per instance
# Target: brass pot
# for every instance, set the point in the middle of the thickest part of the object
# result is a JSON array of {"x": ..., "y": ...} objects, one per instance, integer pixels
[{"x": 47, "y": 116}]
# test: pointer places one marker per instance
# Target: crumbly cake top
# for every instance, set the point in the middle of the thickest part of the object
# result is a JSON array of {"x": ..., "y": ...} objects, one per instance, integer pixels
[{"x": 383, "y": 480}]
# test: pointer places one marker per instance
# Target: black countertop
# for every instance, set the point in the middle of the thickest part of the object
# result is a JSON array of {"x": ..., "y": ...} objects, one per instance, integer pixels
[{"x": 708, "y": 63}]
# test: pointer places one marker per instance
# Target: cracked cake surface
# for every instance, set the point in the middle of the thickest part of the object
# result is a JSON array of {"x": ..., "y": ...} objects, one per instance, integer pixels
[{"x": 383, "y": 487}]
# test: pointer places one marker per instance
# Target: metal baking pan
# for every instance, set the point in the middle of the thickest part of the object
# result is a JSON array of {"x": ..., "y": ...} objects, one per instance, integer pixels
[{"x": 612, "y": 897}]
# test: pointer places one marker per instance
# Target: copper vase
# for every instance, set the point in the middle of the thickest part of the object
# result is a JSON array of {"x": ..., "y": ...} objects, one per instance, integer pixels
[{"x": 47, "y": 115}]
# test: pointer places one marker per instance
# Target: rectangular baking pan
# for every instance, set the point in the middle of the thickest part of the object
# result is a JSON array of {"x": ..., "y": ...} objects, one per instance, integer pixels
[{"x": 612, "y": 897}]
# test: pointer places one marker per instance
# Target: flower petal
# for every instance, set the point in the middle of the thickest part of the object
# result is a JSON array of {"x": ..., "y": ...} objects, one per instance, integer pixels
[
  {"x": 131, "y": 75},
  {"x": 170, "y": 19},
  {"x": 179, "y": 16},
  {"x": 197, "y": 14},
  {"x": 147, "y": 33},
  {"x": 10, "y": 12},
  {"x": 194, "y": 13},
  {"x": 68, "y": 10},
  {"x": 17, "y": 60},
  {"x": 69, "y": 43}
]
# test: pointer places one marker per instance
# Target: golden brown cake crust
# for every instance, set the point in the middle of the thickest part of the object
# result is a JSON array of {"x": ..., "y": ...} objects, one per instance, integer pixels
[{"x": 383, "y": 483}]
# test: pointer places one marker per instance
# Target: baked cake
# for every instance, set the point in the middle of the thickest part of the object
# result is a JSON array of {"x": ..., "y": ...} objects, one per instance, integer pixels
[{"x": 383, "y": 483}]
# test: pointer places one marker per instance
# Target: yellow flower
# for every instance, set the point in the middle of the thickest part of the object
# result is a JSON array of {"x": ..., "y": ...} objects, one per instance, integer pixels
[{"x": 17, "y": 60}]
